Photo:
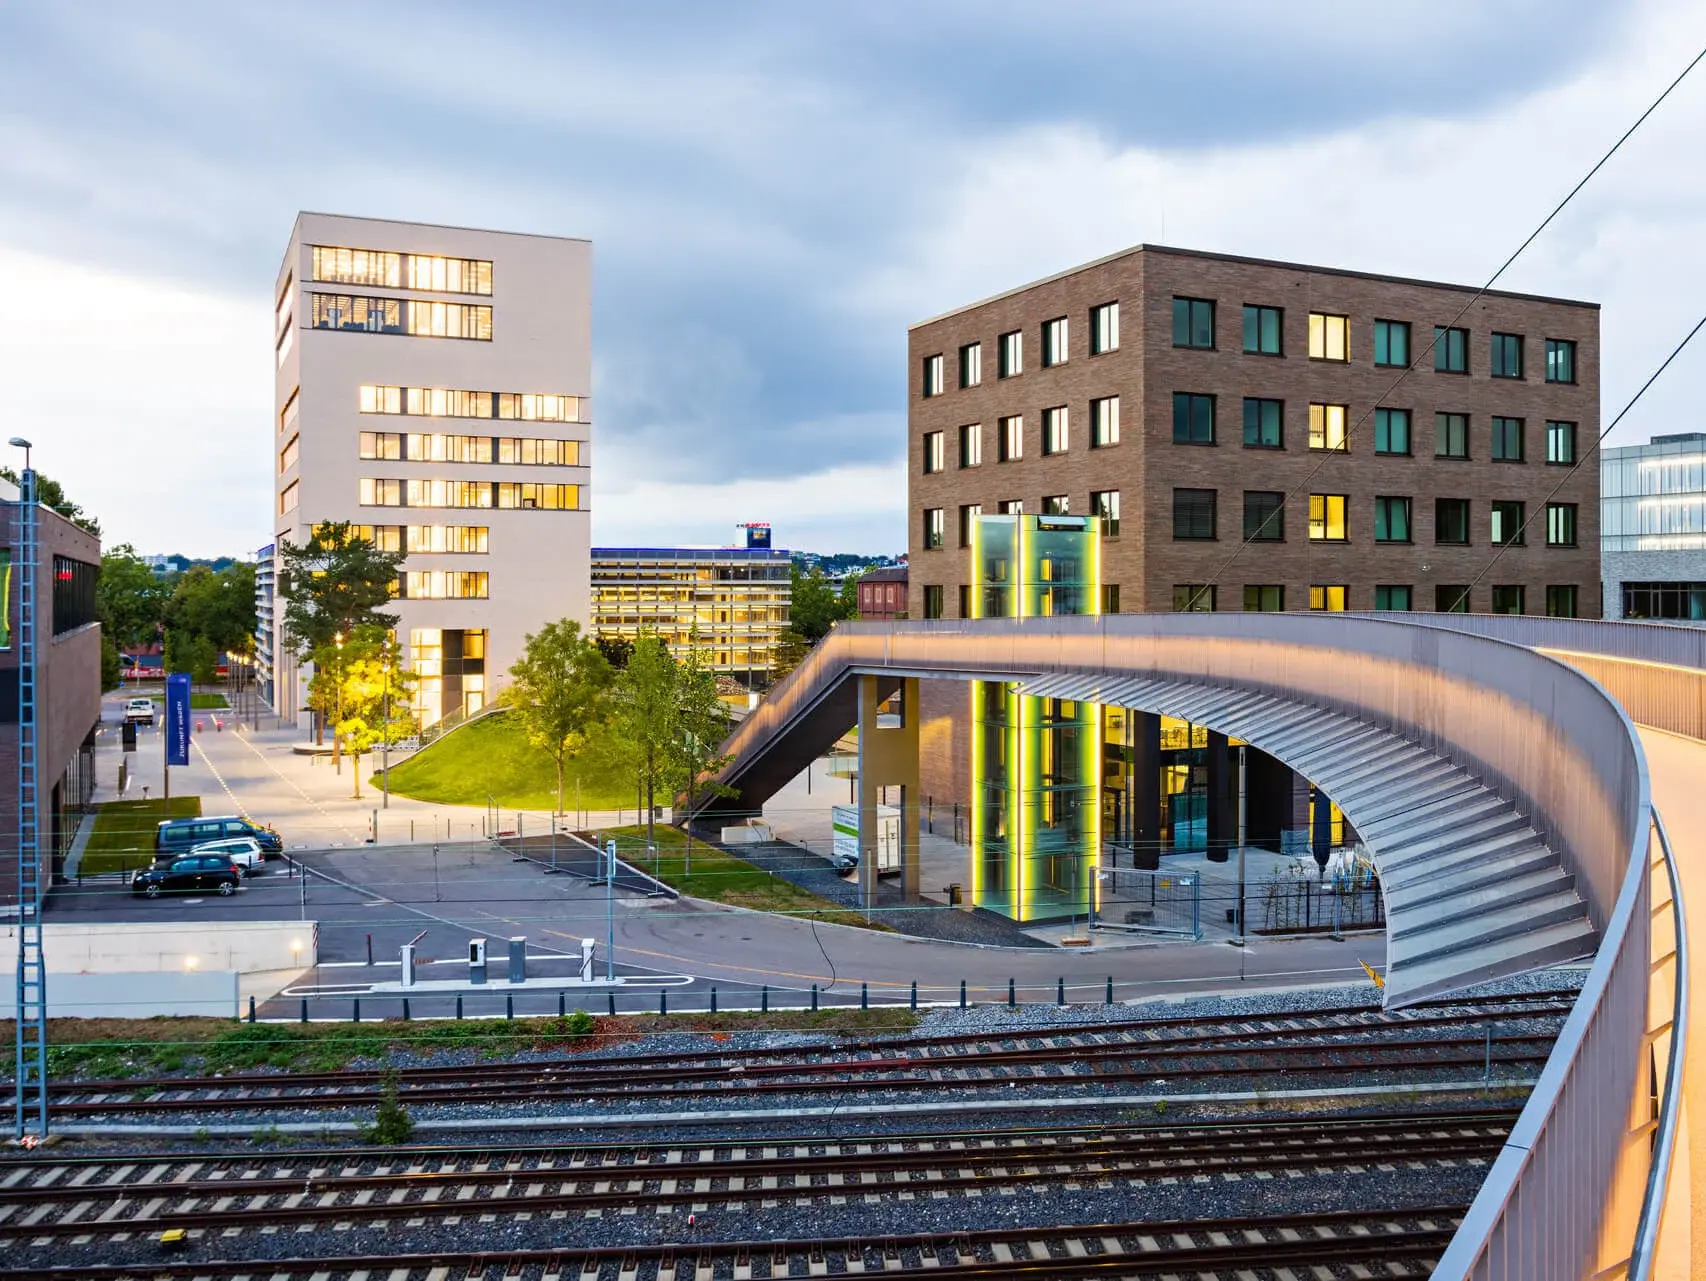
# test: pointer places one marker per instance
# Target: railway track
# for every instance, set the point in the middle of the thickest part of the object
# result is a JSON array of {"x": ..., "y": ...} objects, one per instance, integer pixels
[
  {"x": 86, "y": 1202},
  {"x": 1402, "y": 1243},
  {"x": 1327, "y": 1044}
]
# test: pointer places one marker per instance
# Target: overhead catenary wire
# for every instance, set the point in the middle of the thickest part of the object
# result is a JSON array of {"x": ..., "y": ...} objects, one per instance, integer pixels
[{"x": 1302, "y": 487}]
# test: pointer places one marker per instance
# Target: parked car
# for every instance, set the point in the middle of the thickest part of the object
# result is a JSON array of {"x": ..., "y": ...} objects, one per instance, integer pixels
[
  {"x": 194, "y": 872},
  {"x": 180, "y": 835},
  {"x": 139, "y": 711},
  {"x": 244, "y": 851}
]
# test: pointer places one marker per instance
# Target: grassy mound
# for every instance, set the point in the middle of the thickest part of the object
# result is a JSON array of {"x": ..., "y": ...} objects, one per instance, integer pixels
[{"x": 492, "y": 759}]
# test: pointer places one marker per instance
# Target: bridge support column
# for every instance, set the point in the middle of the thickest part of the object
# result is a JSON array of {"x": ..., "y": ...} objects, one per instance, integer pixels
[
  {"x": 1146, "y": 788},
  {"x": 1221, "y": 836},
  {"x": 888, "y": 757}
]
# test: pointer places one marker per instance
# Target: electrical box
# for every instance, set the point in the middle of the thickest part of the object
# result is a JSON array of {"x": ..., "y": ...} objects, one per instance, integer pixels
[
  {"x": 476, "y": 960},
  {"x": 408, "y": 965},
  {"x": 588, "y": 947},
  {"x": 518, "y": 960}
]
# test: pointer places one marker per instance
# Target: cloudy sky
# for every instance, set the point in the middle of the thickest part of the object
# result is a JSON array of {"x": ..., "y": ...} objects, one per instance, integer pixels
[{"x": 774, "y": 191}]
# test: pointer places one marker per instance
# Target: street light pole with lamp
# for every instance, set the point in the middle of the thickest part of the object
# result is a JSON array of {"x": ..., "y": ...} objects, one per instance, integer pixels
[
  {"x": 385, "y": 732},
  {"x": 337, "y": 730}
]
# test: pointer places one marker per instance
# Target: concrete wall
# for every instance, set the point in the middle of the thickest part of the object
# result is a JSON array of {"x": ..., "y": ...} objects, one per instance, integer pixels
[
  {"x": 168, "y": 947},
  {"x": 212, "y": 993}
]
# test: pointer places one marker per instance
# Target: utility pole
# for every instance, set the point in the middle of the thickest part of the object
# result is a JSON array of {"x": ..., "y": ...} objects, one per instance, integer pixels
[
  {"x": 31, "y": 1022},
  {"x": 610, "y": 910},
  {"x": 385, "y": 734},
  {"x": 1242, "y": 836}
]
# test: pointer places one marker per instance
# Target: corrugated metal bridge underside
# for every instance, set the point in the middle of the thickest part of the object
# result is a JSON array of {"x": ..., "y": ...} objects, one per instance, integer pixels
[{"x": 1472, "y": 891}]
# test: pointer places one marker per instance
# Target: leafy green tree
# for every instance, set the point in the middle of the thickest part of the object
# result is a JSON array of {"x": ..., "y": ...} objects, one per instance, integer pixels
[
  {"x": 129, "y": 598},
  {"x": 218, "y": 606},
  {"x": 816, "y": 604},
  {"x": 349, "y": 690},
  {"x": 331, "y": 585},
  {"x": 49, "y": 493},
  {"x": 191, "y": 652},
  {"x": 791, "y": 651},
  {"x": 617, "y": 650},
  {"x": 560, "y": 688}
]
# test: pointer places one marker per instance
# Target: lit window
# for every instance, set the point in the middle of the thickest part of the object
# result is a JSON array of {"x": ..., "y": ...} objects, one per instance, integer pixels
[
  {"x": 1104, "y": 422},
  {"x": 449, "y": 275},
  {"x": 971, "y": 364},
  {"x": 1560, "y": 524},
  {"x": 287, "y": 498},
  {"x": 1193, "y": 322},
  {"x": 1012, "y": 438},
  {"x": 1560, "y": 360},
  {"x": 1391, "y": 520},
  {"x": 1507, "y": 440},
  {"x": 356, "y": 266},
  {"x": 383, "y": 445},
  {"x": 1451, "y": 350},
  {"x": 1055, "y": 430},
  {"x": 1507, "y": 355},
  {"x": 287, "y": 455},
  {"x": 1507, "y": 524},
  {"x": 971, "y": 445},
  {"x": 1193, "y": 419},
  {"x": 1012, "y": 355},
  {"x": 1327, "y": 427},
  {"x": 1392, "y": 343},
  {"x": 445, "y": 584},
  {"x": 1330, "y": 598},
  {"x": 528, "y": 451},
  {"x": 1327, "y": 518},
  {"x": 363, "y": 314},
  {"x": 1054, "y": 342},
  {"x": 932, "y": 527},
  {"x": 1451, "y": 435},
  {"x": 528, "y": 495},
  {"x": 934, "y": 454},
  {"x": 1560, "y": 442},
  {"x": 380, "y": 493},
  {"x": 932, "y": 376},
  {"x": 1104, "y": 328},
  {"x": 1264, "y": 516},
  {"x": 287, "y": 415},
  {"x": 1329, "y": 336},
  {"x": 1263, "y": 327},
  {"x": 1105, "y": 506},
  {"x": 1386, "y": 598},
  {"x": 1392, "y": 431}
]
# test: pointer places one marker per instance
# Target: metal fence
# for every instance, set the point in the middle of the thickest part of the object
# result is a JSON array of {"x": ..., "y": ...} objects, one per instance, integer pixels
[{"x": 1158, "y": 902}]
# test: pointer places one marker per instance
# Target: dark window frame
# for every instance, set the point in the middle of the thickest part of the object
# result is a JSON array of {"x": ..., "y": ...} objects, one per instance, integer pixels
[
  {"x": 1258, "y": 313},
  {"x": 1569, "y": 434},
  {"x": 1517, "y": 511},
  {"x": 1193, "y": 401},
  {"x": 1260, "y": 404},
  {"x": 1266, "y": 523},
  {"x": 1189, "y": 506},
  {"x": 1384, "y": 329},
  {"x": 1499, "y": 354},
  {"x": 1383, "y": 516},
  {"x": 1409, "y": 420},
  {"x": 1192, "y": 318},
  {"x": 1261, "y": 591},
  {"x": 1460, "y": 508},
  {"x": 1501, "y": 425},
  {"x": 1561, "y": 351},
  {"x": 1444, "y": 419},
  {"x": 1450, "y": 339}
]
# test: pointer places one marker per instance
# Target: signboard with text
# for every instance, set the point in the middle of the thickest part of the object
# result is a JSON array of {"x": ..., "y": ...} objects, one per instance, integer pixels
[{"x": 178, "y": 719}]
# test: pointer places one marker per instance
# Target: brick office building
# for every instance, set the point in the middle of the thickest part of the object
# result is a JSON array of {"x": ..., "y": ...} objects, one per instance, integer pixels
[{"x": 1194, "y": 400}]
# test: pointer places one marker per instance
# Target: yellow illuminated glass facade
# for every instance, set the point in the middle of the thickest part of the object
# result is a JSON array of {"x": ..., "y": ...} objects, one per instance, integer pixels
[
  {"x": 449, "y": 665},
  {"x": 731, "y": 603},
  {"x": 1036, "y": 762}
]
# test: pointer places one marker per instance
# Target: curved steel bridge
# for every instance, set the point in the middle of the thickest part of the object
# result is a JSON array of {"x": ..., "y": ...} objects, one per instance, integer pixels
[{"x": 1494, "y": 768}]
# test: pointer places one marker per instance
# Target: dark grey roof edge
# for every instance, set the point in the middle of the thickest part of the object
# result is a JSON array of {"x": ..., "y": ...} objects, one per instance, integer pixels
[{"x": 1254, "y": 262}]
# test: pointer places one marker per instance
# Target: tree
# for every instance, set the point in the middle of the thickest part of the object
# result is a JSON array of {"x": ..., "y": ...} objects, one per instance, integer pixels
[
  {"x": 791, "y": 651},
  {"x": 191, "y": 652},
  {"x": 350, "y": 686},
  {"x": 217, "y": 606},
  {"x": 50, "y": 494},
  {"x": 666, "y": 721},
  {"x": 333, "y": 584},
  {"x": 816, "y": 605},
  {"x": 617, "y": 650},
  {"x": 131, "y": 601},
  {"x": 560, "y": 687}
]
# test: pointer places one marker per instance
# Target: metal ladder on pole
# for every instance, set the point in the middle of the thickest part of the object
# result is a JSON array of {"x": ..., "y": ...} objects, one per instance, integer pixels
[{"x": 31, "y": 1077}]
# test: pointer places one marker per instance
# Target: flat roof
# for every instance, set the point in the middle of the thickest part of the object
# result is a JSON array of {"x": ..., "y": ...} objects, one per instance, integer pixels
[
  {"x": 1254, "y": 262},
  {"x": 441, "y": 226}
]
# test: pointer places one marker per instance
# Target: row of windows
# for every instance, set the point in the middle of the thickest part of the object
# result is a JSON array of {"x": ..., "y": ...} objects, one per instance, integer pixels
[
  {"x": 446, "y": 402},
  {"x": 1329, "y": 338},
  {"x": 1195, "y": 416},
  {"x": 1104, "y": 430},
  {"x": 1195, "y": 516},
  {"x": 1104, "y": 505},
  {"x": 468, "y": 493},
  {"x": 466, "y": 539},
  {"x": 1104, "y": 329},
  {"x": 386, "y": 270},
  {"x": 1562, "y": 599},
  {"x": 444, "y": 584},
  {"x": 1194, "y": 326},
  {"x": 424, "y": 447},
  {"x": 363, "y": 314}
]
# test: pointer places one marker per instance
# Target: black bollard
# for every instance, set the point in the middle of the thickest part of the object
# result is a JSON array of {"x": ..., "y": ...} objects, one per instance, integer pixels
[
  {"x": 864, "y": 996},
  {"x": 814, "y": 997},
  {"x": 251, "y": 1009},
  {"x": 406, "y": 1018},
  {"x": 713, "y": 1000},
  {"x": 915, "y": 994},
  {"x": 1012, "y": 996},
  {"x": 764, "y": 999},
  {"x": 962, "y": 994},
  {"x": 1109, "y": 999},
  {"x": 612, "y": 996},
  {"x": 458, "y": 1007},
  {"x": 663, "y": 1000},
  {"x": 304, "y": 1009},
  {"x": 357, "y": 1018},
  {"x": 562, "y": 1005},
  {"x": 1060, "y": 991},
  {"x": 509, "y": 1006}
]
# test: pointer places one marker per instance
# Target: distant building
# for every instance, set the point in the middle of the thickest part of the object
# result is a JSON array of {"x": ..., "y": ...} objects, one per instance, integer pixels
[
  {"x": 67, "y": 685},
  {"x": 164, "y": 565},
  {"x": 266, "y": 581},
  {"x": 729, "y": 603},
  {"x": 431, "y": 389},
  {"x": 1653, "y": 529},
  {"x": 882, "y": 593}
]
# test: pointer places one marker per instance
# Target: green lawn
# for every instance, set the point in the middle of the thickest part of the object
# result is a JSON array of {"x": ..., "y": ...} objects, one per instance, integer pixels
[
  {"x": 490, "y": 759},
  {"x": 723, "y": 878},
  {"x": 124, "y": 832}
]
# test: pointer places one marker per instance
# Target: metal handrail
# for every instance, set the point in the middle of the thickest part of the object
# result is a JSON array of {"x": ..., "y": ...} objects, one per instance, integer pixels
[{"x": 1664, "y": 1145}]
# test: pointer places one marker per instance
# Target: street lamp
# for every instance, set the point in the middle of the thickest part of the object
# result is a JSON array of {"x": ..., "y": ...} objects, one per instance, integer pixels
[{"x": 385, "y": 725}]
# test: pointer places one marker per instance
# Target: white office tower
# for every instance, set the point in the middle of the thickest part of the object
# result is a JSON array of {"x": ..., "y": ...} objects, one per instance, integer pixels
[{"x": 432, "y": 388}]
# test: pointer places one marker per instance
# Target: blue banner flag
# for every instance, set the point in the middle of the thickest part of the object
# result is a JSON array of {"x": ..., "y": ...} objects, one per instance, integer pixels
[{"x": 178, "y": 719}]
